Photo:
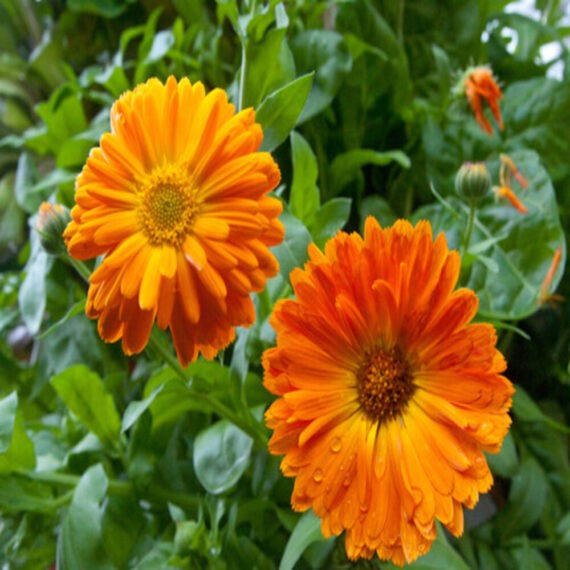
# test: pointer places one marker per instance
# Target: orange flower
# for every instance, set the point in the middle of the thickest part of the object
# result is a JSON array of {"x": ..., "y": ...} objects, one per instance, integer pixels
[
  {"x": 479, "y": 84},
  {"x": 387, "y": 395},
  {"x": 506, "y": 192},
  {"x": 543, "y": 294},
  {"x": 175, "y": 199}
]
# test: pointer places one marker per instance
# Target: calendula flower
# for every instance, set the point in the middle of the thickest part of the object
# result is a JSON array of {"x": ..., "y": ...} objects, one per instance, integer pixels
[
  {"x": 52, "y": 220},
  {"x": 175, "y": 198},
  {"x": 544, "y": 292},
  {"x": 388, "y": 396},
  {"x": 508, "y": 167},
  {"x": 478, "y": 84}
]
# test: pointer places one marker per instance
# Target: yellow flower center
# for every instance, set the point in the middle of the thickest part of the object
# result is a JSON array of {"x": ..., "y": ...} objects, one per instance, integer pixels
[
  {"x": 384, "y": 384},
  {"x": 168, "y": 205}
]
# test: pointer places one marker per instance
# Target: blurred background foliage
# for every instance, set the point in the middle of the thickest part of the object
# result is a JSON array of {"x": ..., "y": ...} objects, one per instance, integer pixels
[{"x": 113, "y": 462}]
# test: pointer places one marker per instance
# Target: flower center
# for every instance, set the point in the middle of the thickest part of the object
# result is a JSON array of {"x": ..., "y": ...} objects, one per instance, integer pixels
[
  {"x": 384, "y": 384},
  {"x": 168, "y": 205}
]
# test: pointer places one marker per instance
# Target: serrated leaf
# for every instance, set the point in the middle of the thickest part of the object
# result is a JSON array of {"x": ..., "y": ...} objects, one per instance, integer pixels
[
  {"x": 221, "y": 455},
  {"x": 84, "y": 394},
  {"x": 304, "y": 197},
  {"x": 279, "y": 111}
]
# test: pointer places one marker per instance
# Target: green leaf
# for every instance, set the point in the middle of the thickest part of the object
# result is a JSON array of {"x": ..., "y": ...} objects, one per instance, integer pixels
[
  {"x": 121, "y": 523},
  {"x": 326, "y": 53},
  {"x": 26, "y": 176},
  {"x": 526, "y": 409},
  {"x": 221, "y": 455},
  {"x": 136, "y": 408},
  {"x": 77, "y": 308},
  {"x": 161, "y": 44},
  {"x": 527, "y": 496},
  {"x": 506, "y": 462},
  {"x": 80, "y": 544},
  {"x": 332, "y": 217},
  {"x": 563, "y": 529},
  {"x": 304, "y": 197},
  {"x": 16, "y": 448},
  {"x": 20, "y": 494},
  {"x": 293, "y": 251},
  {"x": 346, "y": 166},
  {"x": 32, "y": 293},
  {"x": 84, "y": 394},
  {"x": 269, "y": 67},
  {"x": 379, "y": 208},
  {"x": 523, "y": 257},
  {"x": 279, "y": 111},
  {"x": 306, "y": 532},
  {"x": 441, "y": 555},
  {"x": 105, "y": 8}
]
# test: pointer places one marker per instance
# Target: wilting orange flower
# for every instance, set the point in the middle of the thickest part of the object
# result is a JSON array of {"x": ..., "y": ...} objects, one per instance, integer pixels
[
  {"x": 504, "y": 190},
  {"x": 387, "y": 395},
  {"x": 544, "y": 292},
  {"x": 479, "y": 84},
  {"x": 175, "y": 199}
]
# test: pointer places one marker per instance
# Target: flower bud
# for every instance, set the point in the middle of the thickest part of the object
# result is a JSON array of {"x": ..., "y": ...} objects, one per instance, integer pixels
[
  {"x": 52, "y": 220},
  {"x": 473, "y": 181}
]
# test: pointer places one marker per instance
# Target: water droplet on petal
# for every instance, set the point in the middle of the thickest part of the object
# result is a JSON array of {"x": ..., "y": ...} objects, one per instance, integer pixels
[
  {"x": 336, "y": 444},
  {"x": 317, "y": 476}
]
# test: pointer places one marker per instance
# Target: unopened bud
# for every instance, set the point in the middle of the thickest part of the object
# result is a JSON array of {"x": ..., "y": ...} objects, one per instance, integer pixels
[
  {"x": 473, "y": 181},
  {"x": 52, "y": 220}
]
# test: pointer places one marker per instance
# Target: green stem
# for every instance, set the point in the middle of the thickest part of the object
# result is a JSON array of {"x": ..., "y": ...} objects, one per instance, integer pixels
[
  {"x": 255, "y": 431},
  {"x": 79, "y": 266},
  {"x": 469, "y": 226},
  {"x": 243, "y": 75},
  {"x": 154, "y": 493}
]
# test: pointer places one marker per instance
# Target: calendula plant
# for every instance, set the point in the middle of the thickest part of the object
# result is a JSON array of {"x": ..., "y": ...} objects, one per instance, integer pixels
[{"x": 281, "y": 285}]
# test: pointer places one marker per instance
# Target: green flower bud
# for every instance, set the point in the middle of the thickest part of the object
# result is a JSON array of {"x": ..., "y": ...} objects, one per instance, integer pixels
[
  {"x": 473, "y": 181},
  {"x": 52, "y": 220}
]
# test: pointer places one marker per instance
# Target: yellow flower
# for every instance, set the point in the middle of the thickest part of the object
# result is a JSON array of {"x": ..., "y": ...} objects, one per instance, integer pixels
[
  {"x": 175, "y": 198},
  {"x": 388, "y": 396}
]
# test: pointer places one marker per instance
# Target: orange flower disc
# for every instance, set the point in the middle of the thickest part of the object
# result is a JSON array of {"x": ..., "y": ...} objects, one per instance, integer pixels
[
  {"x": 387, "y": 394},
  {"x": 175, "y": 198}
]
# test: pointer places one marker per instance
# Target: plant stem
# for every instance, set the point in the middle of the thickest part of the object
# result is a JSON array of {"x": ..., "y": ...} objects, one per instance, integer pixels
[
  {"x": 469, "y": 226},
  {"x": 79, "y": 266},
  {"x": 253, "y": 430},
  {"x": 153, "y": 493}
]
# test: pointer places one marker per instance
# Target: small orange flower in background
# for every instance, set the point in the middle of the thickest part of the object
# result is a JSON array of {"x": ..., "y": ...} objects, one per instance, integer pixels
[
  {"x": 478, "y": 85},
  {"x": 388, "y": 396},
  {"x": 175, "y": 198},
  {"x": 544, "y": 292},
  {"x": 508, "y": 167}
]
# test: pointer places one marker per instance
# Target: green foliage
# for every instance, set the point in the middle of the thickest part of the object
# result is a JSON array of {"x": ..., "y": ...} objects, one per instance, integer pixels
[{"x": 108, "y": 461}]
